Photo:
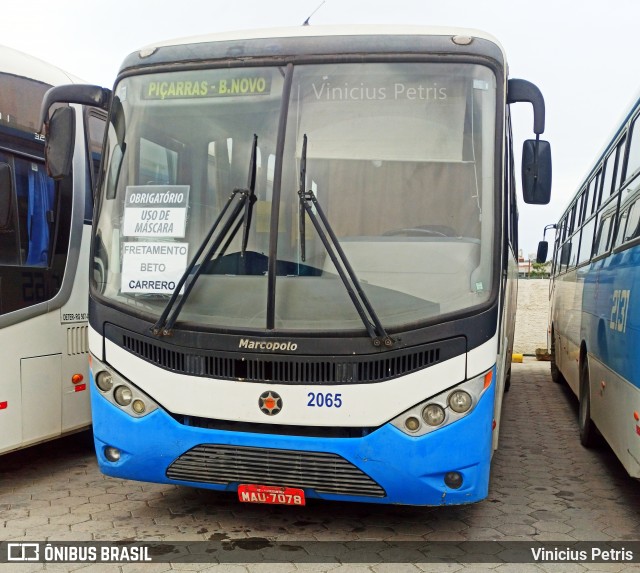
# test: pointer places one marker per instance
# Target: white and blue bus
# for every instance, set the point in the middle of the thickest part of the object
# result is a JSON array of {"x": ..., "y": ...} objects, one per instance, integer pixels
[
  {"x": 595, "y": 323},
  {"x": 45, "y": 229},
  {"x": 303, "y": 258}
]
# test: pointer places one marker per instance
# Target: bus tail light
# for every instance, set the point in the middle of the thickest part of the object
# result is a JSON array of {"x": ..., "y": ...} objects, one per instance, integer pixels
[
  {"x": 121, "y": 392},
  {"x": 444, "y": 408}
]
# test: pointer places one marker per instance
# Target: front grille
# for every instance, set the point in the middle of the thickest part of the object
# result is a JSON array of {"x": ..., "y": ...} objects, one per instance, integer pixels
[
  {"x": 285, "y": 369},
  {"x": 277, "y": 429},
  {"x": 320, "y": 471}
]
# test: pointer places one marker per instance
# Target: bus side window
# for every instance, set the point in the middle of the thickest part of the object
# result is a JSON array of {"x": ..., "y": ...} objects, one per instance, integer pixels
[
  {"x": 604, "y": 232},
  {"x": 586, "y": 245},
  {"x": 565, "y": 254},
  {"x": 95, "y": 126},
  {"x": 572, "y": 220},
  {"x": 621, "y": 228},
  {"x": 609, "y": 168},
  {"x": 633, "y": 162},
  {"x": 27, "y": 213},
  {"x": 585, "y": 206},
  {"x": 9, "y": 240},
  {"x": 575, "y": 241},
  {"x": 632, "y": 221},
  {"x": 597, "y": 191},
  {"x": 619, "y": 177}
]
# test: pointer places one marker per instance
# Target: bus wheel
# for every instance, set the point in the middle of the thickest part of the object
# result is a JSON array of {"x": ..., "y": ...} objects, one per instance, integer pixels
[
  {"x": 586, "y": 425},
  {"x": 556, "y": 375},
  {"x": 507, "y": 380}
]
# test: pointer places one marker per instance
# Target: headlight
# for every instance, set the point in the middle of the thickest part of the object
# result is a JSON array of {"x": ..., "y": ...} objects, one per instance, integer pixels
[
  {"x": 138, "y": 406},
  {"x": 123, "y": 395},
  {"x": 460, "y": 401},
  {"x": 412, "y": 424},
  {"x": 120, "y": 391},
  {"x": 104, "y": 381},
  {"x": 433, "y": 414},
  {"x": 444, "y": 408}
]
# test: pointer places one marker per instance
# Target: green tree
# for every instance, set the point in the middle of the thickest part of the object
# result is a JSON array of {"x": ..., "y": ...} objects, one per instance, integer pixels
[{"x": 539, "y": 270}]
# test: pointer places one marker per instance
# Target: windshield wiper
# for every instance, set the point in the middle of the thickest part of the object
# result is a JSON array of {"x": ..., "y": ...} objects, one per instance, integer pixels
[
  {"x": 251, "y": 198},
  {"x": 245, "y": 200},
  {"x": 331, "y": 244}
]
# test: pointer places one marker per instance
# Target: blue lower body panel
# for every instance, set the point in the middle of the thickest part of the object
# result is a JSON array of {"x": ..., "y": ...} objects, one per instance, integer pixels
[{"x": 410, "y": 470}]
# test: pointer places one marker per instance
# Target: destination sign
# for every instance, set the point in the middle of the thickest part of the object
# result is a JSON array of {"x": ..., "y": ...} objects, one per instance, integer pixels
[
  {"x": 155, "y": 210},
  {"x": 238, "y": 85}
]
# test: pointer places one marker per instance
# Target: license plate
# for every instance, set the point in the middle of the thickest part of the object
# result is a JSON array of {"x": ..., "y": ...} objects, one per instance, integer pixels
[{"x": 252, "y": 493}]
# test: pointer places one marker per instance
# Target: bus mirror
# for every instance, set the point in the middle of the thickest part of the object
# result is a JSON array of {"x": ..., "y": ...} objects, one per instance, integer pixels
[
  {"x": 523, "y": 91},
  {"x": 536, "y": 171},
  {"x": 543, "y": 249},
  {"x": 60, "y": 142},
  {"x": 6, "y": 194}
]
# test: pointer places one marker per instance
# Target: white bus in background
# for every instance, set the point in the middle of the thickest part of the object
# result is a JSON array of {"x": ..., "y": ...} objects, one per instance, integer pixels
[{"x": 45, "y": 230}]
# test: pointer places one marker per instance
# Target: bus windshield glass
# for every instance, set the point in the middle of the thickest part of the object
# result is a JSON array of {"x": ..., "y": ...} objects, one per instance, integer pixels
[{"x": 400, "y": 157}]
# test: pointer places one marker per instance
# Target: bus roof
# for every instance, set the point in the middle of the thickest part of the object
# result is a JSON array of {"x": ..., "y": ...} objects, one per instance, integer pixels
[
  {"x": 20, "y": 64},
  {"x": 316, "y": 40},
  {"x": 317, "y": 31}
]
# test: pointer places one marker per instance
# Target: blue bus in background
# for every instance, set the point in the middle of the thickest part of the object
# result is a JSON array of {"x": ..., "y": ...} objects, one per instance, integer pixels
[{"x": 595, "y": 296}]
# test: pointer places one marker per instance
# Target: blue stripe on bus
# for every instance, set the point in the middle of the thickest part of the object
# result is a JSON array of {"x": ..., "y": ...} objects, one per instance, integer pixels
[
  {"x": 411, "y": 470},
  {"x": 611, "y": 312}
]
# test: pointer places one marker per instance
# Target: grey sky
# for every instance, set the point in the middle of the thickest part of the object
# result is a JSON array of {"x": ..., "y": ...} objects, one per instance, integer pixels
[{"x": 582, "y": 55}]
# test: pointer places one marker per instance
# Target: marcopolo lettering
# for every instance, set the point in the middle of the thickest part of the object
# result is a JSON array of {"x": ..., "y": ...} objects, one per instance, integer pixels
[{"x": 267, "y": 345}]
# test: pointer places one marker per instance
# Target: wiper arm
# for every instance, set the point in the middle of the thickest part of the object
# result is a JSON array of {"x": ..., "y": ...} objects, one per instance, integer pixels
[
  {"x": 251, "y": 199},
  {"x": 362, "y": 304},
  {"x": 301, "y": 193},
  {"x": 246, "y": 199}
]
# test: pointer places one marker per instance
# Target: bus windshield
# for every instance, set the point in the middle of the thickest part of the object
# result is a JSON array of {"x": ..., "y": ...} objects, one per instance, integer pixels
[{"x": 400, "y": 156}]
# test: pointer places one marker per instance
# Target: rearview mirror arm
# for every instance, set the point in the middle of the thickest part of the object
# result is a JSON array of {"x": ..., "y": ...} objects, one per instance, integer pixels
[
  {"x": 93, "y": 96},
  {"x": 524, "y": 91}
]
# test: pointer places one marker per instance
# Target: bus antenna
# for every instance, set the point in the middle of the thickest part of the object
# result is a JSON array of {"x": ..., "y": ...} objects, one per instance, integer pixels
[{"x": 306, "y": 22}]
